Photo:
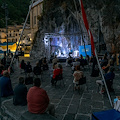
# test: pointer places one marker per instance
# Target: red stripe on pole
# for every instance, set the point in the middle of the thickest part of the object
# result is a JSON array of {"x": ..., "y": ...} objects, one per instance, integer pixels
[
  {"x": 92, "y": 43},
  {"x": 87, "y": 27},
  {"x": 84, "y": 16}
]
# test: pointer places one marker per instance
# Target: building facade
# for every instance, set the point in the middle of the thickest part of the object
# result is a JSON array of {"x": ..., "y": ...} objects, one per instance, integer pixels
[
  {"x": 14, "y": 33},
  {"x": 35, "y": 12}
]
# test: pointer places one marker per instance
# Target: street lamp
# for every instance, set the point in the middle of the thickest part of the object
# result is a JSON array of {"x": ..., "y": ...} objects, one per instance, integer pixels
[{"x": 5, "y": 6}]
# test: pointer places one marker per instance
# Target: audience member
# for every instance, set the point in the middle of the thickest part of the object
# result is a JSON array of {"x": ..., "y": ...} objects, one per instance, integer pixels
[
  {"x": 28, "y": 68},
  {"x": 69, "y": 60},
  {"x": 77, "y": 75},
  {"x": 106, "y": 68},
  {"x": 108, "y": 78},
  {"x": 5, "y": 85},
  {"x": 113, "y": 58},
  {"x": 75, "y": 64},
  {"x": 38, "y": 101},
  {"x": 23, "y": 65},
  {"x": 104, "y": 61},
  {"x": 45, "y": 64},
  {"x": 55, "y": 60},
  {"x": 81, "y": 59},
  {"x": 37, "y": 69},
  {"x": 20, "y": 93},
  {"x": 57, "y": 71},
  {"x": 95, "y": 69}
]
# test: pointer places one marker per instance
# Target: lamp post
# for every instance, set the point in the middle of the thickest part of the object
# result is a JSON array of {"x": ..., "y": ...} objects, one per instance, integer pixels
[{"x": 5, "y": 6}]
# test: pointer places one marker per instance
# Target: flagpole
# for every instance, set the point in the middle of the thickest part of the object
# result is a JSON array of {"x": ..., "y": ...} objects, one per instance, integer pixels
[
  {"x": 22, "y": 31},
  {"x": 93, "y": 47},
  {"x": 103, "y": 78}
]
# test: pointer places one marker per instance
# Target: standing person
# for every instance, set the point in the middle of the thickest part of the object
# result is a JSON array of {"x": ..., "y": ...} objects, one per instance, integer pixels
[
  {"x": 20, "y": 93},
  {"x": 5, "y": 85},
  {"x": 95, "y": 69},
  {"x": 38, "y": 100}
]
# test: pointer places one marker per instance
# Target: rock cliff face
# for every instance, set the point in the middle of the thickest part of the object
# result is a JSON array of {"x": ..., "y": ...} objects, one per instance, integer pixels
[{"x": 103, "y": 17}]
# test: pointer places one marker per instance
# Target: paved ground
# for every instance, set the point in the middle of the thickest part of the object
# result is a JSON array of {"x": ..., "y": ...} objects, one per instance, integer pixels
[{"x": 69, "y": 104}]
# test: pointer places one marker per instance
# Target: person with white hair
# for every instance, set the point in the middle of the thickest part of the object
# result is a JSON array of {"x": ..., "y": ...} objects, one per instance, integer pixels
[{"x": 5, "y": 85}]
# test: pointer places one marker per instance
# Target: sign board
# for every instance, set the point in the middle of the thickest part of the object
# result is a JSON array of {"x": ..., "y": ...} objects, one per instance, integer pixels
[{"x": 82, "y": 50}]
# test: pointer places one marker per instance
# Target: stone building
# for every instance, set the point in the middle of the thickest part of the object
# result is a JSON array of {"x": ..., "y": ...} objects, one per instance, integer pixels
[
  {"x": 14, "y": 34},
  {"x": 35, "y": 12}
]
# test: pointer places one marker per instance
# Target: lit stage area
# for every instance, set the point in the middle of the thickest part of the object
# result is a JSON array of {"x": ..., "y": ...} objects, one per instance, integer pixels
[{"x": 62, "y": 46}]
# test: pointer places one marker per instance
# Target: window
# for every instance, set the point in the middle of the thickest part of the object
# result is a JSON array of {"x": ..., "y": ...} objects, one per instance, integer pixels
[
  {"x": 16, "y": 34},
  {"x": 10, "y": 34},
  {"x": 34, "y": 19}
]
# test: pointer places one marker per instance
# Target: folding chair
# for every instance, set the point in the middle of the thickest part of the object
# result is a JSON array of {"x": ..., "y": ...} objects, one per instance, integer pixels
[
  {"x": 82, "y": 81},
  {"x": 59, "y": 78}
]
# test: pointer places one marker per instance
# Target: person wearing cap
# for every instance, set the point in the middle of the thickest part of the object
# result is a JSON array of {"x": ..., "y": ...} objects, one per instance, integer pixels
[{"x": 5, "y": 85}]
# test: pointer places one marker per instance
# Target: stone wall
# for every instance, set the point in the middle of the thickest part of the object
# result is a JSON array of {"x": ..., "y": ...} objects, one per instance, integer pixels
[{"x": 96, "y": 17}]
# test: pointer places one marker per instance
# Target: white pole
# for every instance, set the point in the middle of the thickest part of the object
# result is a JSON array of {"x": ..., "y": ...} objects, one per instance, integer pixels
[
  {"x": 103, "y": 78},
  {"x": 22, "y": 32}
]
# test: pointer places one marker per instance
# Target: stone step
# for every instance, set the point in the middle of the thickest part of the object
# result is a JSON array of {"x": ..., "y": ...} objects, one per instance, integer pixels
[
  {"x": 21, "y": 112},
  {"x": 29, "y": 116}
]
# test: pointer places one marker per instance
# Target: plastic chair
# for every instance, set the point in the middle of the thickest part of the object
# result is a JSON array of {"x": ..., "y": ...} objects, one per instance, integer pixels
[{"x": 82, "y": 81}]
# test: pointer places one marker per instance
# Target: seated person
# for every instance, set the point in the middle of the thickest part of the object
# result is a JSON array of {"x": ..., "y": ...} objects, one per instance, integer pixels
[
  {"x": 22, "y": 65},
  {"x": 28, "y": 68},
  {"x": 69, "y": 60},
  {"x": 45, "y": 64},
  {"x": 106, "y": 68},
  {"x": 81, "y": 59},
  {"x": 5, "y": 85},
  {"x": 108, "y": 76},
  {"x": 37, "y": 69},
  {"x": 57, "y": 71},
  {"x": 77, "y": 76},
  {"x": 104, "y": 61},
  {"x": 20, "y": 93},
  {"x": 55, "y": 60},
  {"x": 38, "y": 101},
  {"x": 75, "y": 64}
]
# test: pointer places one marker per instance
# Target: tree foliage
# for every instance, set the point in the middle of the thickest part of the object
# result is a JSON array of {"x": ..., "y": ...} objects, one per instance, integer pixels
[{"x": 17, "y": 11}]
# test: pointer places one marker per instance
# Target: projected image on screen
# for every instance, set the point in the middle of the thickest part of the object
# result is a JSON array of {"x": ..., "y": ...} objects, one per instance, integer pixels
[{"x": 82, "y": 50}]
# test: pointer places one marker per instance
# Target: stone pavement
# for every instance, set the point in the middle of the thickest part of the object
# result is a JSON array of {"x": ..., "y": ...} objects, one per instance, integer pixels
[{"x": 69, "y": 104}]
